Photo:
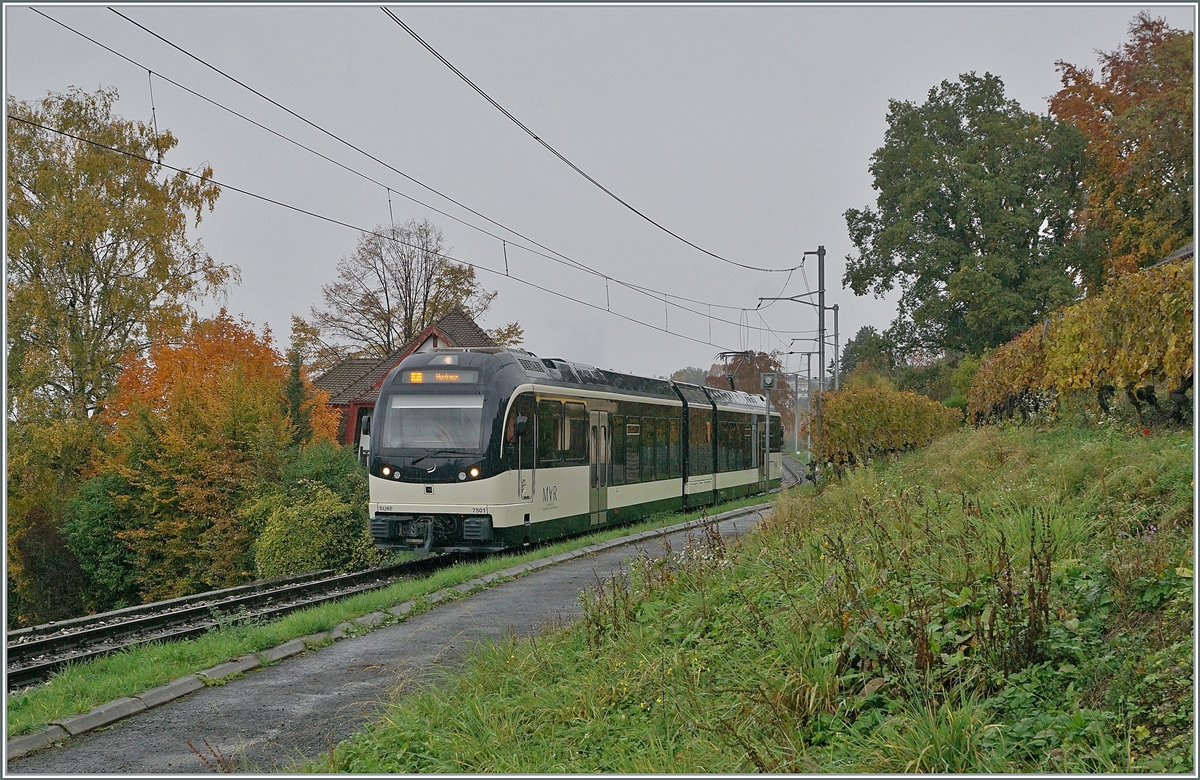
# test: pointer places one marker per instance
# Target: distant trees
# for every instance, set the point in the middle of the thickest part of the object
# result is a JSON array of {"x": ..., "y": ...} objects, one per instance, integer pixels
[
  {"x": 976, "y": 203},
  {"x": 690, "y": 374},
  {"x": 397, "y": 281},
  {"x": 1137, "y": 120},
  {"x": 868, "y": 347}
]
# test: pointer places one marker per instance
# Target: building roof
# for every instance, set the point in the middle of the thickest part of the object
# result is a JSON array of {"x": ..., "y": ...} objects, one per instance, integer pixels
[
  {"x": 337, "y": 379},
  {"x": 357, "y": 380},
  {"x": 365, "y": 373},
  {"x": 461, "y": 331}
]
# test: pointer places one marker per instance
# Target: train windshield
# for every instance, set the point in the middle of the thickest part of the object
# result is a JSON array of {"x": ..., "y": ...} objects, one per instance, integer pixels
[{"x": 433, "y": 422}]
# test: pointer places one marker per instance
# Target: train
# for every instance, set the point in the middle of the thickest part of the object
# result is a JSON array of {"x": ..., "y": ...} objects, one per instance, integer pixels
[{"x": 484, "y": 450}]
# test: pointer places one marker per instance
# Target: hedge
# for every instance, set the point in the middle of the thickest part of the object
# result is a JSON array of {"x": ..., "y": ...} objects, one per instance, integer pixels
[
  {"x": 1137, "y": 333},
  {"x": 859, "y": 422}
]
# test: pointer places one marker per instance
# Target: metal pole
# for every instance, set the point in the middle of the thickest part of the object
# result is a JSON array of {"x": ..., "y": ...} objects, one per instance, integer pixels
[
  {"x": 808, "y": 403},
  {"x": 820, "y": 340},
  {"x": 796, "y": 412},
  {"x": 767, "y": 449},
  {"x": 837, "y": 363}
]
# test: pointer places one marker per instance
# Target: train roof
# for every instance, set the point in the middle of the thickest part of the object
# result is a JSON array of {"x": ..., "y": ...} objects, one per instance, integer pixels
[
  {"x": 557, "y": 371},
  {"x": 569, "y": 373},
  {"x": 736, "y": 399}
]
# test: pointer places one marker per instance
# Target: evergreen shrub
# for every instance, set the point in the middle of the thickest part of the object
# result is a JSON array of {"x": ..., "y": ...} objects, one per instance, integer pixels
[{"x": 308, "y": 529}]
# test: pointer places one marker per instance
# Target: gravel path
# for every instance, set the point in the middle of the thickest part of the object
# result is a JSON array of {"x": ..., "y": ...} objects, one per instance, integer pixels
[{"x": 296, "y": 709}]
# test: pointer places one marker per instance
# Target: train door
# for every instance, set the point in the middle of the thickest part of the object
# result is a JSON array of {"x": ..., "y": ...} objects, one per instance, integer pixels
[
  {"x": 520, "y": 446},
  {"x": 600, "y": 437}
]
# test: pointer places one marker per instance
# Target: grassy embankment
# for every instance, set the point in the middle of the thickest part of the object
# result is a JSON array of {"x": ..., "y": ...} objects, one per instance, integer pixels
[
  {"x": 83, "y": 686},
  {"x": 1007, "y": 600}
]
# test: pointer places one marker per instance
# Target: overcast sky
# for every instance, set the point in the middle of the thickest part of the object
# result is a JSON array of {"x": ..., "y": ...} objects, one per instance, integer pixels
[{"x": 748, "y": 131}]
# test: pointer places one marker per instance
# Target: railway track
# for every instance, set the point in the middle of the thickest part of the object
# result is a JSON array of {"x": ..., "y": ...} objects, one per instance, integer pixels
[
  {"x": 34, "y": 653},
  {"x": 794, "y": 472}
]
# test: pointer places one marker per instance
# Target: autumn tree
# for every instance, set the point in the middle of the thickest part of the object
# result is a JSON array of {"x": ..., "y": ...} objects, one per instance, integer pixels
[
  {"x": 397, "y": 282},
  {"x": 98, "y": 255},
  {"x": 98, "y": 263},
  {"x": 1137, "y": 117},
  {"x": 200, "y": 427},
  {"x": 976, "y": 202},
  {"x": 510, "y": 335}
]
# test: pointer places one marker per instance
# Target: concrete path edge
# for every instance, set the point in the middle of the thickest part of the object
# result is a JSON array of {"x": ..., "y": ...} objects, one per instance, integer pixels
[{"x": 106, "y": 714}]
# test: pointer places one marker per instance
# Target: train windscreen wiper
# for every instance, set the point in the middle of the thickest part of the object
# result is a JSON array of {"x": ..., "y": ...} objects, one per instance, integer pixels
[{"x": 438, "y": 452}]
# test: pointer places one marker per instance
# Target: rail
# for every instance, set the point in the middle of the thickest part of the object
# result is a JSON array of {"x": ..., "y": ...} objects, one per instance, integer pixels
[{"x": 35, "y": 653}]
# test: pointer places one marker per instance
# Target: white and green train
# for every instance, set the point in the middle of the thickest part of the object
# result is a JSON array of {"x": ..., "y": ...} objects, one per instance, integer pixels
[{"x": 485, "y": 450}]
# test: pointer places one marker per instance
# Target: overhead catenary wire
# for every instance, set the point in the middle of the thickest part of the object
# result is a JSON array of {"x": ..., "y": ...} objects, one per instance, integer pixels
[
  {"x": 570, "y": 164},
  {"x": 649, "y": 292},
  {"x": 362, "y": 230}
]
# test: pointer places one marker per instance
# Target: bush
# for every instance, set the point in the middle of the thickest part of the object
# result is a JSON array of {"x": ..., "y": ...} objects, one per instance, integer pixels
[
  {"x": 308, "y": 529},
  {"x": 95, "y": 518},
  {"x": 44, "y": 579},
  {"x": 964, "y": 375},
  {"x": 335, "y": 467},
  {"x": 858, "y": 422}
]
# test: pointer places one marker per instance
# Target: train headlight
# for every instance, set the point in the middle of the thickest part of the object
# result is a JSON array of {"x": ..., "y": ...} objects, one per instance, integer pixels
[
  {"x": 462, "y": 475},
  {"x": 474, "y": 472},
  {"x": 386, "y": 471}
]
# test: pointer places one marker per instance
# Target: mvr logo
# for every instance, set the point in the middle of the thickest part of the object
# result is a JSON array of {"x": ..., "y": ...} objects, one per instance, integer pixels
[{"x": 550, "y": 494}]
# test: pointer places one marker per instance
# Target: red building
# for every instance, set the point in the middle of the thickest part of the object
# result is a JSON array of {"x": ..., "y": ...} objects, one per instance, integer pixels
[{"x": 353, "y": 384}]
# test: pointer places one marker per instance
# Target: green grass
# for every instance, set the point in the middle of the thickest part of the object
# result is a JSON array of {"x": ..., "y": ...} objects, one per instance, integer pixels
[
  {"x": 1006, "y": 600},
  {"x": 81, "y": 687}
]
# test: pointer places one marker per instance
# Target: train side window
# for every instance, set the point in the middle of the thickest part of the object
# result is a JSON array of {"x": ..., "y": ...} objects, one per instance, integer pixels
[
  {"x": 676, "y": 461},
  {"x": 699, "y": 451},
  {"x": 662, "y": 465},
  {"x": 633, "y": 451},
  {"x": 618, "y": 449},
  {"x": 647, "y": 449},
  {"x": 576, "y": 432},
  {"x": 755, "y": 442},
  {"x": 744, "y": 446},
  {"x": 549, "y": 433}
]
